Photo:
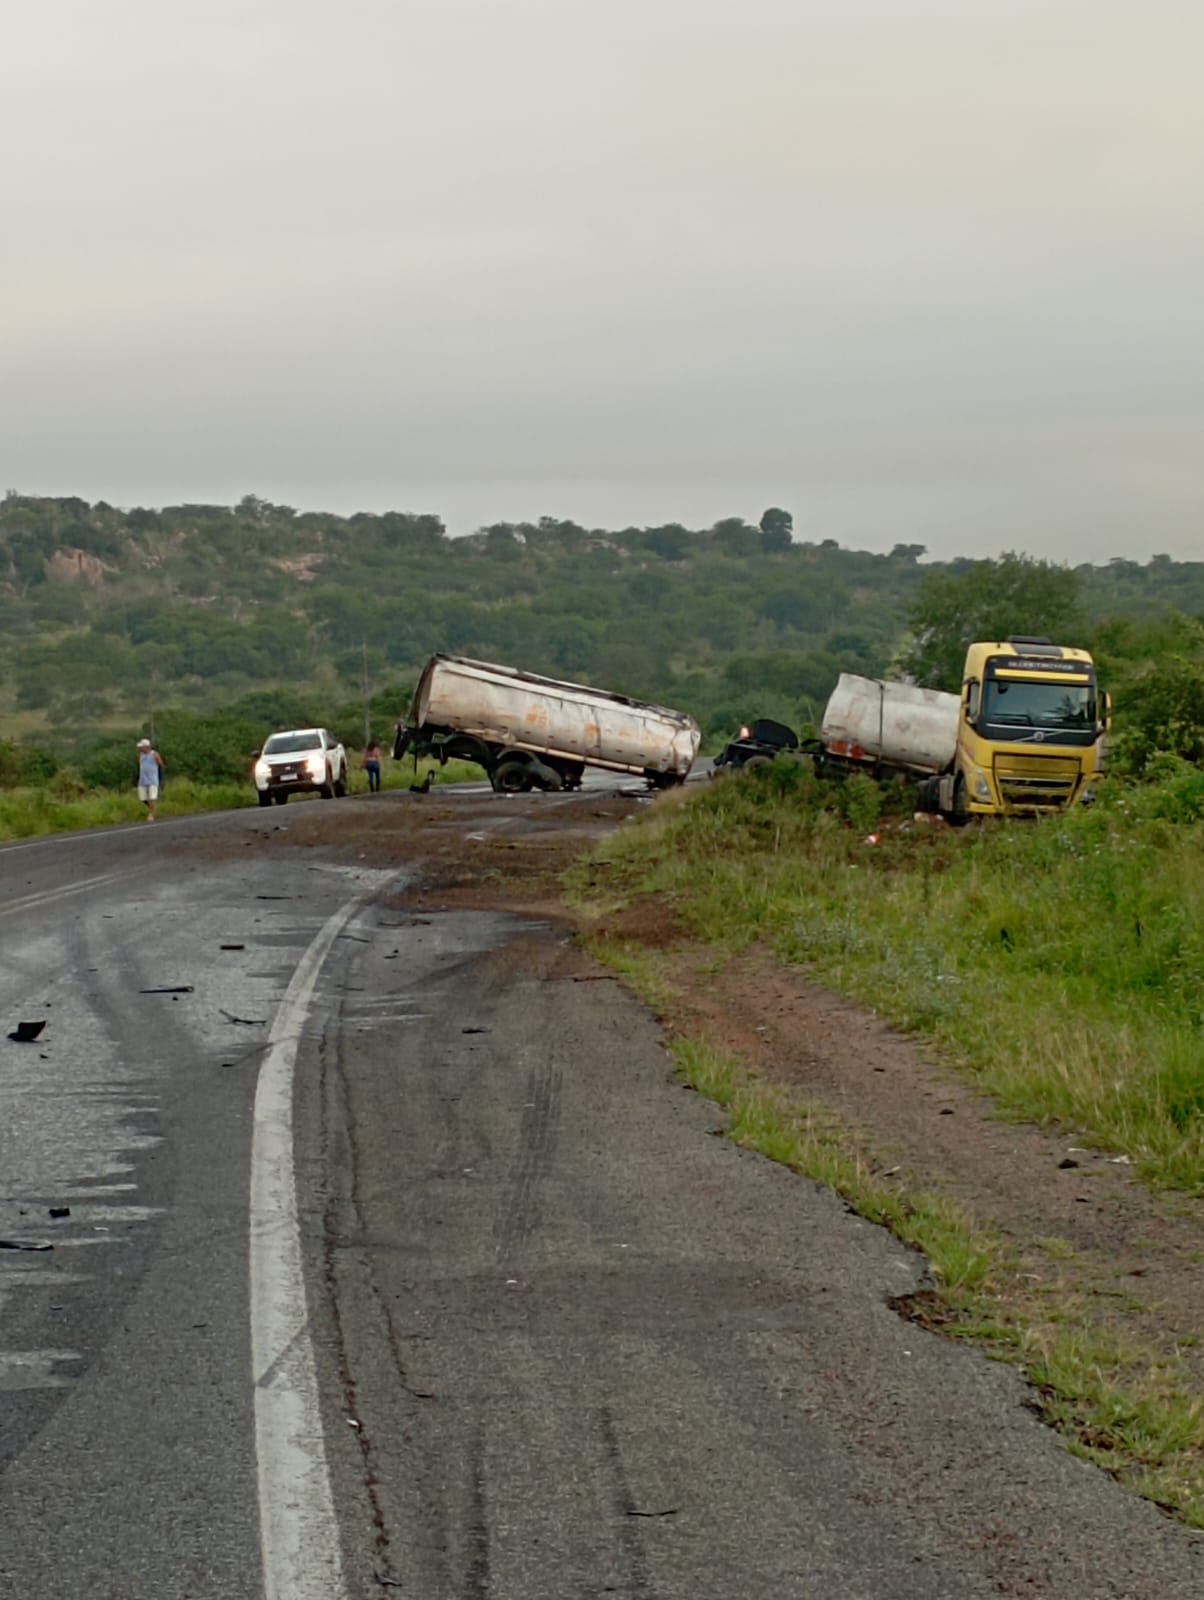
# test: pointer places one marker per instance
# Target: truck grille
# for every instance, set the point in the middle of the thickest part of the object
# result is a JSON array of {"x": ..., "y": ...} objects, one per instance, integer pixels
[{"x": 1036, "y": 783}]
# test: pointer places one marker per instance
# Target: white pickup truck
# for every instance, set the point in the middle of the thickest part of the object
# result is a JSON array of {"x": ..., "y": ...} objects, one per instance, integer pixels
[{"x": 298, "y": 761}]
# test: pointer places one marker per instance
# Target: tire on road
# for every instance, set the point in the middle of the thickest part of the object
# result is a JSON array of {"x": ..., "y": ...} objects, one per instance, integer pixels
[
  {"x": 511, "y": 775},
  {"x": 265, "y": 798}
]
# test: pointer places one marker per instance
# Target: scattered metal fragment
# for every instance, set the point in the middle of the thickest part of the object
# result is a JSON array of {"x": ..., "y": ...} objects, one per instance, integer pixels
[
  {"x": 24, "y": 1244},
  {"x": 60, "y": 1211},
  {"x": 670, "y": 1511},
  {"x": 246, "y": 1022},
  {"x": 171, "y": 988},
  {"x": 27, "y": 1032},
  {"x": 273, "y": 897},
  {"x": 233, "y": 947},
  {"x": 474, "y": 1030}
]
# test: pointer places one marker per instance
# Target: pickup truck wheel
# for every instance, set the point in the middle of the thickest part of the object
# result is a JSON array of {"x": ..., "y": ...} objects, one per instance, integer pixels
[
  {"x": 265, "y": 798},
  {"x": 326, "y": 790},
  {"x": 280, "y": 796},
  {"x": 340, "y": 786}
]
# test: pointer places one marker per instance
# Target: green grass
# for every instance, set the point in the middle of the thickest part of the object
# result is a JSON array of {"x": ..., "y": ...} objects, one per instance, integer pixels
[
  {"x": 30, "y": 813},
  {"x": 1058, "y": 962},
  {"x": 64, "y": 806}
]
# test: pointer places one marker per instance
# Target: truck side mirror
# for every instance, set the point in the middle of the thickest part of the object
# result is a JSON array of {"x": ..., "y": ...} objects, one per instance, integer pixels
[{"x": 1106, "y": 709}]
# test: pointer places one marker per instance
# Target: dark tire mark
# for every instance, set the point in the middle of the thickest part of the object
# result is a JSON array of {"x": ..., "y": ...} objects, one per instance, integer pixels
[
  {"x": 477, "y": 1579},
  {"x": 627, "y": 1533},
  {"x": 537, "y": 1147}
]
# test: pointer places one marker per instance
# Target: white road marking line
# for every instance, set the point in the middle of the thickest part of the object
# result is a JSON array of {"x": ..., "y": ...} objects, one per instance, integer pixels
[
  {"x": 30, "y": 902},
  {"x": 298, "y": 1531}
]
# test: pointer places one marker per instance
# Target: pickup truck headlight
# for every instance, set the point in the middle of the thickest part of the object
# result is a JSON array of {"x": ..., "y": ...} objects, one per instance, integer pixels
[
  {"x": 982, "y": 789},
  {"x": 262, "y": 772},
  {"x": 316, "y": 766}
]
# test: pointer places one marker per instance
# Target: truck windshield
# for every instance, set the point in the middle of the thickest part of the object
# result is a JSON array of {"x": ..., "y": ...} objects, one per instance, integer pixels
[
  {"x": 1019, "y": 703},
  {"x": 283, "y": 743}
]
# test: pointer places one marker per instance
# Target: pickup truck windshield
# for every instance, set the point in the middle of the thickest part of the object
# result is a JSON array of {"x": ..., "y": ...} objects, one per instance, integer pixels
[
  {"x": 1020, "y": 704},
  {"x": 283, "y": 743}
]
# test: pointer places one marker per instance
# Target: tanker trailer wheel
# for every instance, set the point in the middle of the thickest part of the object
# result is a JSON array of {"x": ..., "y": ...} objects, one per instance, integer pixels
[
  {"x": 542, "y": 776},
  {"x": 756, "y": 761},
  {"x": 512, "y": 775}
]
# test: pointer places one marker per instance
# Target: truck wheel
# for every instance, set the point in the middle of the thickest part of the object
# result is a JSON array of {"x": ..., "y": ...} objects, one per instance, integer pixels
[
  {"x": 756, "y": 761},
  {"x": 326, "y": 790},
  {"x": 280, "y": 796},
  {"x": 512, "y": 775},
  {"x": 340, "y": 786},
  {"x": 265, "y": 798},
  {"x": 543, "y": 776},
  {"x": 961, "y": 805}
]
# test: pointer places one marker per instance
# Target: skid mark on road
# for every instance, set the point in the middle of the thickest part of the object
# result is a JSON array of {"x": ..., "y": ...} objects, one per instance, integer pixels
[
  {"x": 537, "y": 1146},
  {"x": 31, "y": 902},
  {"x": 639, "y": 1577}
]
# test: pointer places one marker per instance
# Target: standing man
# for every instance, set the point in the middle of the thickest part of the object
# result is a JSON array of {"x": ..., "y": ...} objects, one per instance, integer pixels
[{"x": 150, "y": 765}]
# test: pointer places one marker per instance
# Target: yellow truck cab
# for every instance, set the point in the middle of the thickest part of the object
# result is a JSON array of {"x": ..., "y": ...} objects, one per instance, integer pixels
[{"x": 1031, "y": 730}]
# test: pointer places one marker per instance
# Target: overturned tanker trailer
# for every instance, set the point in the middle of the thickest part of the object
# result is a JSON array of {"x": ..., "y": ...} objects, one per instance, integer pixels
[{"x": 531, "y": 732}]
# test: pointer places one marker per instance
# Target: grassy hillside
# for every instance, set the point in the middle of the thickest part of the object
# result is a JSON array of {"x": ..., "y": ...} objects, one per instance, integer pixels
[{"x": 107, "y": 617}]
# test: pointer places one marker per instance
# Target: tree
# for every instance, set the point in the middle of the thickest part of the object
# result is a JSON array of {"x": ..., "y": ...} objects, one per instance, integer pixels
[
  {"x": 734, "y": 536},
  {"x": 987, "y": 600},
  {"x": 777, "y": 529}
]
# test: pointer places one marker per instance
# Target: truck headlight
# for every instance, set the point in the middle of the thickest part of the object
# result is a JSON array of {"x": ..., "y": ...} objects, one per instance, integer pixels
[
  {"x": 982, "y": 789},
  {"x": 262, "y": 772},
  {"x": 316, "y": 765}
]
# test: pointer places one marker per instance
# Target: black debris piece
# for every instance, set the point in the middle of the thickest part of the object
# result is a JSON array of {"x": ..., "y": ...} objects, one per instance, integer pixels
[
  {"x": 1067, "y": 1163},
  {"x": 171, "y": 988},
  {"x": 234, "y": 947},
  {"x": 246, "y": 1022},
  {"x": 27, "y": 1032},
  {"x": 474, "y": 1030},
  {"x": 273, "y": 897},
  {"x": 60, "y": 1211},
  {"x": 24, "y": 1244}
]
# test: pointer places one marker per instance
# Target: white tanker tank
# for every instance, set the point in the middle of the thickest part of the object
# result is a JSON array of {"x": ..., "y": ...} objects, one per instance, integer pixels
[
  {"x": 875, "y": 722},
  {"x": 528, "y": 731}
]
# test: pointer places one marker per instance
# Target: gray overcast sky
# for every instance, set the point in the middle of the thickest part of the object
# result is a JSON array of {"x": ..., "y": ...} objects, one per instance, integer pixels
[{"x": 928, "y": 271}]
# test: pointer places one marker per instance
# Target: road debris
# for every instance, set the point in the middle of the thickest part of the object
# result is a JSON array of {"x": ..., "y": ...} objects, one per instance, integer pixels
[
  {"x": 245, "y": 1022},
  {"x": 171, "y": 988},
  {"x": 27, "y": 1032},
  {"x": 60, "y": 1211},
  {"x": 232, "y": 947},
  {"x": 25, "y": 1244}
]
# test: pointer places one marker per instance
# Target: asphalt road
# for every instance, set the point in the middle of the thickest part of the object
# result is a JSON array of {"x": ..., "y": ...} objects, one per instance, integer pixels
[{"x": 423, "y": 1277}]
